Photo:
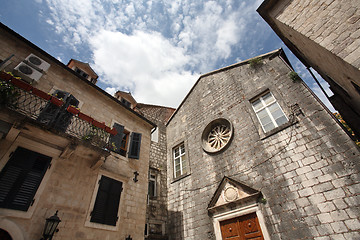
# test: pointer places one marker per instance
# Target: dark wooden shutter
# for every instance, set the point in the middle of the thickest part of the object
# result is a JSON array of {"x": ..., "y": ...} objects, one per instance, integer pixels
[
  {"x": 63, "y": 119},
  {"x": 107, "y": 202},
  {"x": 115, "y": 141},
  {"x": 135, "y": 145},
  {"x": 21, "y": 177},
  {"x": 50, "y": 114}
]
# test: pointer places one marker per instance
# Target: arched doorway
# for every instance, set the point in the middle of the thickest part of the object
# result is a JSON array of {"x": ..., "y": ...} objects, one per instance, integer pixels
[{"x": 4, "y": 235}]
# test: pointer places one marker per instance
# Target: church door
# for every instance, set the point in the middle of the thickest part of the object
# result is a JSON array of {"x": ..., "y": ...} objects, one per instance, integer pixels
[{"x": 241, "y": 228}]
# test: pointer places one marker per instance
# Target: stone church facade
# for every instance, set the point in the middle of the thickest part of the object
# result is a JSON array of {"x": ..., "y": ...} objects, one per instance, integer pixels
[{"x": 253, "y": 154}]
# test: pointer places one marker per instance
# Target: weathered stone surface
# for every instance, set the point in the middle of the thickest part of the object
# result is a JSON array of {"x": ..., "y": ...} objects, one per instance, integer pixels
[{"x": 300, "y": 169}]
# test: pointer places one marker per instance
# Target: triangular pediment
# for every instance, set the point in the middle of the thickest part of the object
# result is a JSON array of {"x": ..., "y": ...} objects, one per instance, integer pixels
[{"x": 231, "y": 192}]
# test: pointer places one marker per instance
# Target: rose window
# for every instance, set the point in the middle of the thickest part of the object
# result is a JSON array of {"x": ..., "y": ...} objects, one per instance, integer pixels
[
  {"x": 219, "y": 136},
  {"x": 216, "y": 135}
]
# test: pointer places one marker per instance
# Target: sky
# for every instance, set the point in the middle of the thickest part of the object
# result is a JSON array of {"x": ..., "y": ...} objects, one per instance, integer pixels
[{"x": 155, "y": 49}]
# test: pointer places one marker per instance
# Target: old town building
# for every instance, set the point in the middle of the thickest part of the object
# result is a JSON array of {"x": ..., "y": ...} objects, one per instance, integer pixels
[
  {"x": 325, "y": 36},
  {"x": 67, "y": 146},
  {"x": 253, "y": 154}
]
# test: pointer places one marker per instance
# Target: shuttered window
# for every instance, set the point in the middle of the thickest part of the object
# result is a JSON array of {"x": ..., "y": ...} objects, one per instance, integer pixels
[
  {"x": 21, "y": 177},
  {"x": 119, "y": 142},
  {"x": 107, "y": 202},
  {"x": 116, "y": 141},
  {"x": 134, "y": 151}
]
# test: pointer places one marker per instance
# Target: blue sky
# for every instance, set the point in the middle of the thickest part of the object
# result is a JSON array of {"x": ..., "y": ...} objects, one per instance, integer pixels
[{"x": 154, "y": 49}]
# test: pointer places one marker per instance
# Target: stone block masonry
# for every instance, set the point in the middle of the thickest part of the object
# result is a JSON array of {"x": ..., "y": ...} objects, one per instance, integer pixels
[{"x": 306, "y": 172}]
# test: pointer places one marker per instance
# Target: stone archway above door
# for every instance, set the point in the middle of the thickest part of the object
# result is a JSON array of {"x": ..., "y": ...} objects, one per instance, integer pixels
[
  {"x": 235, "y": 212},
  {"x": 11, "y": 228}
]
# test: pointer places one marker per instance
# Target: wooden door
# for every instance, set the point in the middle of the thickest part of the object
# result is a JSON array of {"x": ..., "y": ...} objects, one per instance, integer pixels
[{"x": 241, "y": 228}]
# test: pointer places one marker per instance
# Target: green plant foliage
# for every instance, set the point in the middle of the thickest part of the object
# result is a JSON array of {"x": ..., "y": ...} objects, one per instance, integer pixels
[
  {"x": 263, "y": 200},
  {"x": 8, "y": 94},
  {"x": 294, "y": 76},
  {"x": 341, "y": 120},
  {"x": 92, "y": 133},
  {"x": 255, "y": 62}
]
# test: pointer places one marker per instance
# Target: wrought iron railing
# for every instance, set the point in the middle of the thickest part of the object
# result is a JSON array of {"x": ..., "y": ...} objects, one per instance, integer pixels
[{"x": 44, "y": 111}]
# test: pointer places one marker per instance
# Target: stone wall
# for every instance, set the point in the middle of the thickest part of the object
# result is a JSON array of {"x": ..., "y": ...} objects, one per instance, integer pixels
[
  {"x": 157, "y": 207},
  {"x": 307, "y": 172},
  {"x": 326, "y": 35},
  {"x": 333, "y": 24}
]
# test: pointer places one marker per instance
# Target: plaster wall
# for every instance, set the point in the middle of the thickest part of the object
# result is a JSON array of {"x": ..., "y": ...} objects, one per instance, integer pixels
[{"x": 70, "y": 184}]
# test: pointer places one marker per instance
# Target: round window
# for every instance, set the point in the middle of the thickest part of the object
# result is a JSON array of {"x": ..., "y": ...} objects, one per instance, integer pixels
[{"x": 217, "y": 135}]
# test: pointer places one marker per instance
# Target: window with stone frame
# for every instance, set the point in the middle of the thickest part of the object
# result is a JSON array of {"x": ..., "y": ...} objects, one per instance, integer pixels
[
  {"x": 268, "y": 112},
  {"x": 81, "y": 72},
  {"x": 126, "y": 102},
  {"x": 180, "y": 161},
  {"x": 152, "y": 184},
  {"x": 119, "y": 143},
  {"x": 20, "y": 178},
  {"x": 106, "y": 206}
]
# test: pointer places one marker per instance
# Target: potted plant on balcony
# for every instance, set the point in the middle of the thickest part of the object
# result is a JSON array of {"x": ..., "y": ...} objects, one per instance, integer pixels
[
  {"x": 5, "y": 76},
  {"x": 72, "y": 109},
  {"x": 8, "y": 95},
  {"x": 56, "y": 101},
  {"x": 98, "y": 124},
  {"x": 85, "y": 117},
  {"x": 41, "y": 94},
  {"x": 21, "y": 84}
]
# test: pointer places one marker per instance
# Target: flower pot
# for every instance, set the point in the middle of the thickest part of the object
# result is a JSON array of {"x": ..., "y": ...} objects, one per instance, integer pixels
[
  {"x": 113, "y": 131},
  {"x": 21, "y": 84},
  {"x": 107, "y": 129},
  {"x": 73, "y": 110},
  {"x": 85, "y": 117},
  {"x": 5, "y": 76},
  {"x": 56, "y": 101},
  {"x": 41, "y": 94},
  {"x": 98, "y": 124}
]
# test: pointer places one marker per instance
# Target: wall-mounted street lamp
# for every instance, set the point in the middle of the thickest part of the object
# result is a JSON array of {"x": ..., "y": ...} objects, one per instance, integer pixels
[
  {"x": 136, "y": 174},
  {"x": 128, "y": 238},
  {"x": 51, "y": 227}
]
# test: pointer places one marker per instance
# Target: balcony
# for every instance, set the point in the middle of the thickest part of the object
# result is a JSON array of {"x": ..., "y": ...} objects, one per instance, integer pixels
[{"x": 52, "y": 112}]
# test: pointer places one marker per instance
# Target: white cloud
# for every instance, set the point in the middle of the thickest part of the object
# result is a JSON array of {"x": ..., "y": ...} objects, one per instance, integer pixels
[
  {"x": 146, "y": 64},
  {"x": 111, "y": 90},
  {"x": 129, "y": 48}
]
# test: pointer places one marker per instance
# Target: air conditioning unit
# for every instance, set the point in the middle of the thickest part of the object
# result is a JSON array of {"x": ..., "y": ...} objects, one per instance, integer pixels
[
  {"x": 37, "y": 63},
  {"x": 27, "y": 72}
]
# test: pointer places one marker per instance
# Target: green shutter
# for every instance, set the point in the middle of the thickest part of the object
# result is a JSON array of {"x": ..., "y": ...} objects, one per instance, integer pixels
[
  {"x": 107, "y": 202},
  {"x": 135, "y": 145},
  {"x": 21, "y": 177}
]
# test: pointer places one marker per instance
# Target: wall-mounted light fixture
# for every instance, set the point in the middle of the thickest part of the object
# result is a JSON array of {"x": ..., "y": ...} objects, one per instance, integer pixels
[
  {"x": 128, "y": 238},
  {"x": 136, "y": 174},
  {"x": 51, "y": 226}
]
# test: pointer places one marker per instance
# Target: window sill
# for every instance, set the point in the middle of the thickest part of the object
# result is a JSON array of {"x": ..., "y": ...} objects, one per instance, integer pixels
[
  {"x": 102, "y": 226},
  {"x": 263, "y": 135},
  {"x": 180, "y": 177}
]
